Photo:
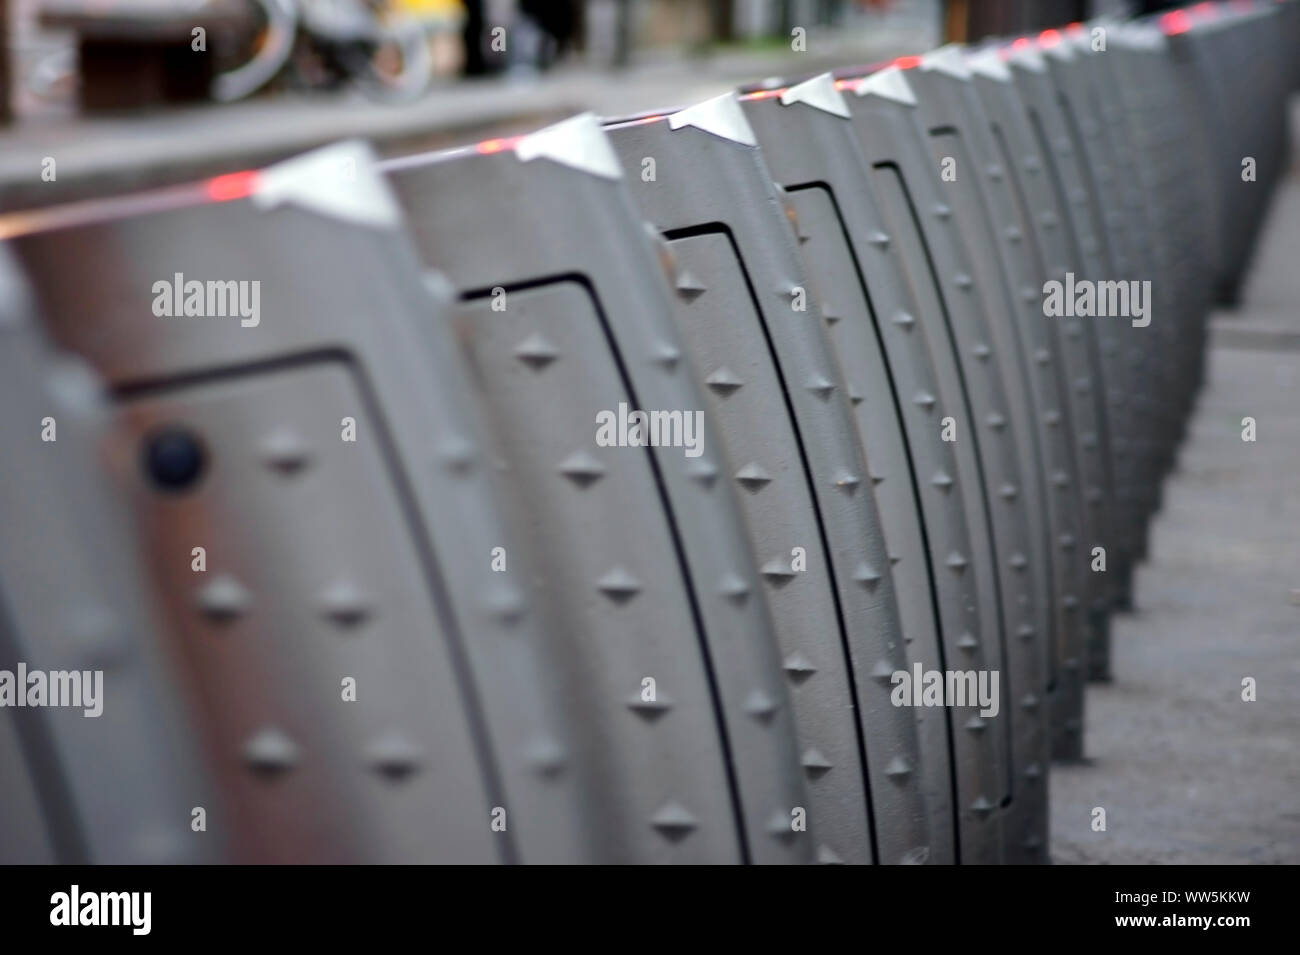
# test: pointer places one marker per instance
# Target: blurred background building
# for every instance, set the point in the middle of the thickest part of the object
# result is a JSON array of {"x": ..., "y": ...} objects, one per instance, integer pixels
[
  {"x": 56, "y": 50},
  {"x": 131, "y": 93}
]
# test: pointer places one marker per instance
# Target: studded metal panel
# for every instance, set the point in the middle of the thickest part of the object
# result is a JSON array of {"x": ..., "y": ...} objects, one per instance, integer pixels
[
  {"x": 329, "y": 586},
  {"x": 1260, "y": 46},
  {"x": 898, "y": 488},
  {"x": 118, "y": 787},
  {"x": 728, "y": 346},
  {"x": 1157, "y": 123},
  {"x": 745, "y": 262},
  {"x": 1038, "y": 221},
  {"x": 922, "y": 221},
  {"x": 1129, "y": 250},
  {"x": 1204, "y": 117},
  {"x": 1135, "y": 94},
  {"x": 468, "y": 219},
  {"x": 595, "y": 516},
  {"x": 1116, "y": 412},
  {"x": 1012, "y": 616},
  {"x": 984, "y": 199},
  {"x": 951, "y": 126},
  {"x": 814, "y": 153},
  {"x": 1086, "y": 255},
  {"x": 378, "y": 552},
  {"x": 1224, "y": 132}
]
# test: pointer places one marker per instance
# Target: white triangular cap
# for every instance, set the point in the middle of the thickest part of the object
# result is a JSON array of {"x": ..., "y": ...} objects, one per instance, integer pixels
[
  {"x": 339, "y": 181},
  {"x": 578, "y": 142},
  {"x": 889, "y": 83},
  {"x": 1029, "y": 57},
  {"x": 989, "y": 63},
  {"x": 1081, "y": 39},
  {"x": 721, "y": 116},
  {"x": 1062, "y": 51},
  {"x": 949, "y": 60},
  {"x": 820, "y": 92}
]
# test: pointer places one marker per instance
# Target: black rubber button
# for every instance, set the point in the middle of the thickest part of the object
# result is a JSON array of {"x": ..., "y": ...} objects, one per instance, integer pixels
[{"x": 174, "y": 459}]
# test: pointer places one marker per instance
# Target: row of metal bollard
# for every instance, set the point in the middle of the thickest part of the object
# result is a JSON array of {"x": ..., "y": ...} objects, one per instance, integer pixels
[{"x": 751, "y": 482}]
